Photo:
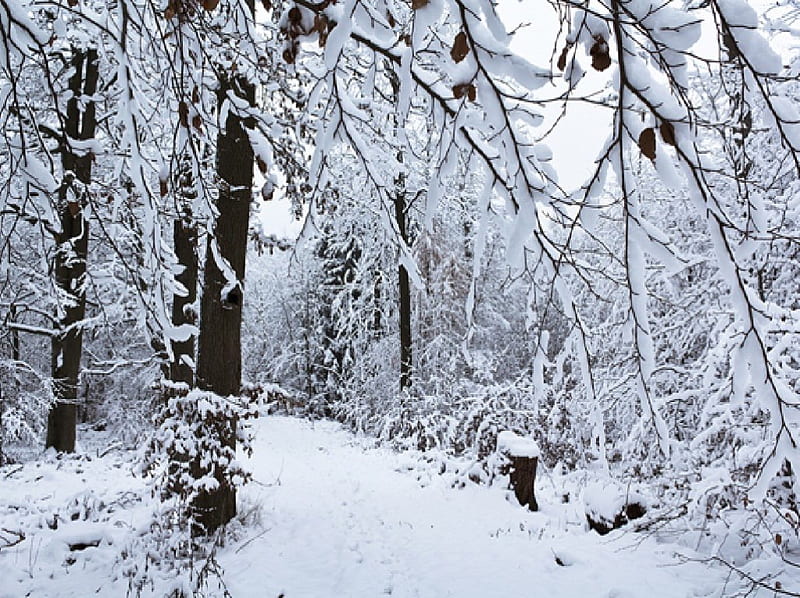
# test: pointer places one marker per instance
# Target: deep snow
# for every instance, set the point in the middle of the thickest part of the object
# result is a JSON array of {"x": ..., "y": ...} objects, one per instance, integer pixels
[{"x": 331, "y": 516}]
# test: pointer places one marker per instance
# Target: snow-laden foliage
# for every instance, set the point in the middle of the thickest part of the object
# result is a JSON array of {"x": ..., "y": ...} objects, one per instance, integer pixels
[
  {"x": 644, "y": 324},
  {"x": 188, "y": 454}
]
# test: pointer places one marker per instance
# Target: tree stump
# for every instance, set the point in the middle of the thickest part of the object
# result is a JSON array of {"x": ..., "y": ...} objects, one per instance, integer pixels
[{"x": 522, "y": 455}]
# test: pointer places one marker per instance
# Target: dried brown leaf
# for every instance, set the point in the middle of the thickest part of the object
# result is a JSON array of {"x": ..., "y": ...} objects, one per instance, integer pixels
[
  {"x": 601, "y": 59},
  {"x": 465, "y": 89},
  {"x": 183, "y": 114},
  {"x": 460, "y": 47},
  {"x": 562, "y": 59},
  {"x": 647, "y": 143},
  {"x": 295, "y": 16},
  {"x": 667, "y": 133}
]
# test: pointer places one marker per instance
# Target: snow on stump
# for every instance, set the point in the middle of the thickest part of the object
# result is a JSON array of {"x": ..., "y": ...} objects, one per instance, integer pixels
[
  {"x": 522, "y": 455},
  {"x": 609, "y": 506}
]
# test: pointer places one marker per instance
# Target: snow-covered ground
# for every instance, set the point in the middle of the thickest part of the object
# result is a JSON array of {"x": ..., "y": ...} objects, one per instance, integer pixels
[{"x": 331, "y": 516}]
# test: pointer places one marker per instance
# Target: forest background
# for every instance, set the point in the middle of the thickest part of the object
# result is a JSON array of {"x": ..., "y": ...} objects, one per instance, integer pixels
[{"x": 444, "y": 285}]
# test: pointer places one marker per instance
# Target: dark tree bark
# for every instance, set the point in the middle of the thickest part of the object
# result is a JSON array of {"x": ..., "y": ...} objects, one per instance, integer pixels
[
  {"x": 404, "y": 290},
  {"x": 71, "y": 253},
  {"x": 185, "y": 245},
  {"x": 523, "y": 476},
  {"x": 377, "y": 308},
  {"x": 404, "y": 287},
  {"x": 219, "y": 359}
]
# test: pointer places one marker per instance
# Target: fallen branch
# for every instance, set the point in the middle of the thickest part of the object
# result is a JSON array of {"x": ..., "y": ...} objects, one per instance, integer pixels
[
  {"x": 15, "y": 537},
  {"x": 776, "y": 587},
  {"x": 17, "y": 469}
]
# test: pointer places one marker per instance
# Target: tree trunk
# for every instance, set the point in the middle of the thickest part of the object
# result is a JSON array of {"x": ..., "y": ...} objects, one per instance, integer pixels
[
  {"x": 71, "y": 253},
  {"x": 404, "y": 289},
  {"x": 219, "y": 359},
  {"x": 185, "y": 243},
  {"x": 523, "y": 477}
]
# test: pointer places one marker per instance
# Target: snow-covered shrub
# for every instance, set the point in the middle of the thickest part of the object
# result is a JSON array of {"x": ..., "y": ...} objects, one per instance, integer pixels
[
  {"x": 24, "y": 399},
  {"x": 193, "y": 449},
  {"x": 609, "y": 505},
  {"x": 191, "y": 452}
]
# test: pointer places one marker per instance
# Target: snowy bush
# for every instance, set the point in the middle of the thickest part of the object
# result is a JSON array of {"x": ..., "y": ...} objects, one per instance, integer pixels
[{"x": 188, "y": 453}]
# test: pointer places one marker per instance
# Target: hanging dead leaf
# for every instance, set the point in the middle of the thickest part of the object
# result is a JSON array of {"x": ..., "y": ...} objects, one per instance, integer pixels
[
  {"x": 465, "y": 89},
  {"x": 183, "y": 114},
  {"x": 647, "y": 143},
  {"x": 289, "y": 54},
  {"x": 562, "y": 59},
  {"x": 407, "y": 40},
  {"x": 601, "y": 59},
  {"x": 162, "y": 187},
  {"x": 460, "y": 47},
  {"x": 262, "y": 166},
  {"x": 195, "y": 95},
  {"x": 74, "y": 207},
  {"x": 295, "y": 16},
  {"x": 601, "y": 62},
  {"x": 210, "y": 5},
  {"x": 197, "y": 122},
  {"x": 778, "y": 539},
  {"x": 266, "y": 4},
  {"x": 667, "y": 133},
  {"x": 390, "y": 19},
  {"x": 72, "y": 3},
  {"x": 417, "y": 4},
  {"x": 169, "y": 12}
]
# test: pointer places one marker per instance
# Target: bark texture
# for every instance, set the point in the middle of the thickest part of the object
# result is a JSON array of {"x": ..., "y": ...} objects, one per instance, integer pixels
[
  {"x": 523, "y": 477},
  {"x": 219, "y": 359},
  {"x": 185, "y": 245},
  {"x": 403, "y": 283},
  {"x": 404, "y": 292},
  {"x": 72, "y": 250}
]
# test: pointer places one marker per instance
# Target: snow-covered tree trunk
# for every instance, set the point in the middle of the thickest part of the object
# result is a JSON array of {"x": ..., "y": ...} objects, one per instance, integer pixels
[
  {"x": 73, "y": 244},
  {"x": 403, "y": 282},
  {"x": 181, "y": 368},
  {"x": 404, "y": 293},
  {"x": 219, "y": 360}
]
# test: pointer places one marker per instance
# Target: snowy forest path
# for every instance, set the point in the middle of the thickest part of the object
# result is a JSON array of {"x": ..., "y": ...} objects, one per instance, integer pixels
[{"x": 341, "y": 519}]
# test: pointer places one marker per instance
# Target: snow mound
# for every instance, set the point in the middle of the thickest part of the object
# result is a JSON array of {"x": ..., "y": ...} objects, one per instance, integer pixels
[{"x": 608, "y": 505}]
